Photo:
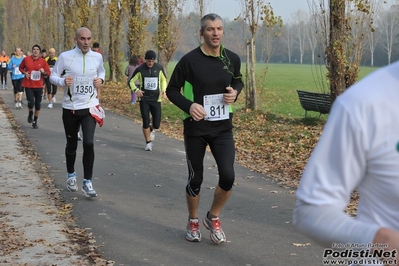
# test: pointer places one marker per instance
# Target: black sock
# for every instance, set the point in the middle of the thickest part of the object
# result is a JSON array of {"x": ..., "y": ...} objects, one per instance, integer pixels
[{"x": 35, "y": 119}]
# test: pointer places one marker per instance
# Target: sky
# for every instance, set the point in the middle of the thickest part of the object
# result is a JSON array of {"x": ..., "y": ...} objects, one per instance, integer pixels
[
  {"x": 283, "y": 8},
  {"x": 232, "y": 8}
]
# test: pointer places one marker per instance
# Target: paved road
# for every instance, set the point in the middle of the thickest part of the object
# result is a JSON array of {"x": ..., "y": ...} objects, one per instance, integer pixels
[{"x": 139, "y": 216}]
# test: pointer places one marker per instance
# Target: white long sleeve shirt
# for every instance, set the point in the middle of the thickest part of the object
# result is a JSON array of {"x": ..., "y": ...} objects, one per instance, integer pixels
[
  {"x": 359, "y": 148},
  {"x": 84, "y": 68}
]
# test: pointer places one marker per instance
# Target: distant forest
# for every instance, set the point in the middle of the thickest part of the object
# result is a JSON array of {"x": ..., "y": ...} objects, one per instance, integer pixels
[{"x": 25, "y": 23}]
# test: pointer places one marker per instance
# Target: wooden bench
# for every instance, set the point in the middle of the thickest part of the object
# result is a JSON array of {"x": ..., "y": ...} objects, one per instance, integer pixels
[{"x": 313, "y": 101}]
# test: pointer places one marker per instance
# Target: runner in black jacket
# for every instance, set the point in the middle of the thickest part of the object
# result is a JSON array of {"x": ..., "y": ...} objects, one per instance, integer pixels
[
  {"x": 150, "y": 93},
  {"x": 211, "y": 81}
]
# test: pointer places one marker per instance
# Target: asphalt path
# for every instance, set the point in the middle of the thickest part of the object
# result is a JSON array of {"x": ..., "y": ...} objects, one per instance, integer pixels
[{"x": 140, "y": 214}]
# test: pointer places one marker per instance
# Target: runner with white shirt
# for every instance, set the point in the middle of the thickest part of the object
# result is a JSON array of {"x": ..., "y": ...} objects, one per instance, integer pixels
[
  {"x": 83, "y": 77},
  {"x": 359, "y": 149}
]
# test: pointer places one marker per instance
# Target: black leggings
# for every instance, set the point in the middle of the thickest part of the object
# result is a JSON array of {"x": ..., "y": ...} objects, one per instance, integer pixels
[
  {"x": 72, "y": 122},
  {"x": 223, "y": 150},
  {"x": 3, "y": 74},
  {"x": 147, "y": 107},
  {"x": 51, "y": 88},
  {"x": 34, "y": 98},
  {"x": 17, "y": 85}
]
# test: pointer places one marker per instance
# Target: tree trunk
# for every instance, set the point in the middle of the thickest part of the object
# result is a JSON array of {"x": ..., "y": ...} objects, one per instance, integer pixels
[{"x": 336, "y": 52}]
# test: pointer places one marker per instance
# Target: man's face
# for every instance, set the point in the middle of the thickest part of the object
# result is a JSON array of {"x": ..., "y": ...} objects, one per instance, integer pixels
[
  {"x": 83, "y": 40},
  {"x": 35, "y": 51},
  {"x": 18, "y": 52},
  {"x": 52, "y": 54},
  {"x": 213, "y": 33},
  {"x": 150, "y": 62}
]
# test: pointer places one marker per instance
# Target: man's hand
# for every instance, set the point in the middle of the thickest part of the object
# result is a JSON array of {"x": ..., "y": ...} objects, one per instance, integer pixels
[
  {"x": 389, "y": 237},
  {"x": 68, "y": 81},
  {"x": 97, "y": 82},
  {"x": 197, "y": 111},
  {"x": 230, "y": 96},
  {"x": 140, "y": 93}
]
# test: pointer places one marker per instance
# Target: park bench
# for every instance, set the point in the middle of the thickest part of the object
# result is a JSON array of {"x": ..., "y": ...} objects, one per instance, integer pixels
[{"x": 313, "y": 101}]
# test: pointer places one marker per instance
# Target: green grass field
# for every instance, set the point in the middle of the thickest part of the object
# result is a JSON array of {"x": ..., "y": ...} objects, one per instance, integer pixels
[{"x": 277, "y": 85}]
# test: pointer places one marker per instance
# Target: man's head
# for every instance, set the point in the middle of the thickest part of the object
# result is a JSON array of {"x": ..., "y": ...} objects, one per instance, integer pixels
[
  {"x": 83, "y": 39},
  {"x": 150, "y": 57},
  {"x": 44, "y": 53},
  {"x": 3, "y": 52},
  {"x": 51, "y": 52},
  {"x": 212, "y": 30},
  {"x": 96, "y": 46},
  {"x": 18, "y": 52},
  {"x": 36, "y": 50}
]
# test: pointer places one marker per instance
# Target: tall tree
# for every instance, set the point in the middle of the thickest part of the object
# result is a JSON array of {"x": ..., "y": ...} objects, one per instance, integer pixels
[
  {"x": 167, "y": 35},
  {"x": 138, "y": 22},
  {"x": 115, "y": 54}
]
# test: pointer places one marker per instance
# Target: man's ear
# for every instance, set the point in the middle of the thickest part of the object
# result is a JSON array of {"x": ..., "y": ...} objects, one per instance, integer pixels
[{"x": 201, "y": 33}]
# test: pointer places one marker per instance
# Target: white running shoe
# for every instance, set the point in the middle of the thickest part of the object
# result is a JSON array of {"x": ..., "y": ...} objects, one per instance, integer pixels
[
  {"x": 50, "y": 105},
  {"x": 20, "y": 105},
  {"x": 16, "y": 105},
  {"x": 214, "y": 225},
  {"x": 54, "y": 99},
  {"x": 88, "y": 189},
  {"x": 193, "y": 233},
  {"x": 71, "y": 182},
  {"x": 148, "y": 146},
  {"x": 152, "y": 135}
]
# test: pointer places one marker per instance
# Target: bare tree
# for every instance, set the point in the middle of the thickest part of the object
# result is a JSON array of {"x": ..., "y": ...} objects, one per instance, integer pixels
[
  {"x": 300, "y": 18},
  {"x": 288, "y": 38},
  {"x": 388, "y": 25}
]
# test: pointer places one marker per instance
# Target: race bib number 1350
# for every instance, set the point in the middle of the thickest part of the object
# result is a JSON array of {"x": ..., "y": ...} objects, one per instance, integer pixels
[{"x": 83, "y": 85}]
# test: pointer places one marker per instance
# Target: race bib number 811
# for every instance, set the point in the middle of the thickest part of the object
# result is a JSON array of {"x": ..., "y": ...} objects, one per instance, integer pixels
[{"x": 215, "y": 108}]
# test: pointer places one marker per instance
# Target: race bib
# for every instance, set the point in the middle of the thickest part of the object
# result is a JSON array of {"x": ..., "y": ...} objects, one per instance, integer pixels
[
  {"x": 150, "y": 84},
  {"x": 215, "y": 108},
  {"x": 35, "y": 75},
  {"x": 83, "y": 86},
  {"x": 16, "y": 71},
  {"x": 4, "y": 65}
]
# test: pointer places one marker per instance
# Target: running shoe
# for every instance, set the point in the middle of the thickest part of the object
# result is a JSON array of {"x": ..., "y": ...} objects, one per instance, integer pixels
[
  {"x": 20, "y": 105},
  {"x": 50, "y": 105},
  {"x": 88, "y": 189},
  {"x": 148, "y": 146},
  {"x": 16, "y": 105},
  {"x": 79, "y": 136},
  {"x": 34, "y": 125},
  {"x": 193, "y": 233},
  {"x": 214, "y": 225},
  {"x": 152, "y": 135},
  {"x": 30, "y": 119},
  {"x": 54, "y": 99},
  {"x": 71, "y": 182}
]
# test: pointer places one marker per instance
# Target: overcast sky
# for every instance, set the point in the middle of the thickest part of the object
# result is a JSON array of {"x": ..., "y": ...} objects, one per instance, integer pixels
[
  {"x": 232, "y": 8},
  {"x": 283, "y": 8}
]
